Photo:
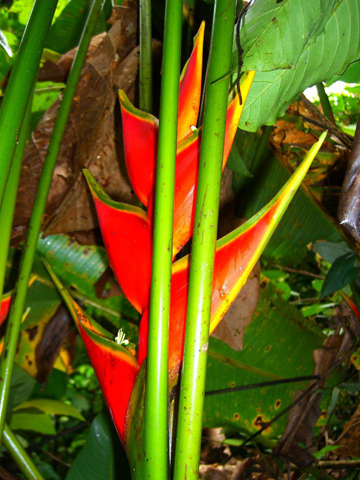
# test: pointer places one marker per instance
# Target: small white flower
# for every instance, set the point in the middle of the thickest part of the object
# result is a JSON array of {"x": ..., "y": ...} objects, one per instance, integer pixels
[{"x": 120, "y": 338}]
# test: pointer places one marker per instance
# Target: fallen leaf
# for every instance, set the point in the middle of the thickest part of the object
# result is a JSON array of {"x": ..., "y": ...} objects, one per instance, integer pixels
[{"x": 349, "y": 439}]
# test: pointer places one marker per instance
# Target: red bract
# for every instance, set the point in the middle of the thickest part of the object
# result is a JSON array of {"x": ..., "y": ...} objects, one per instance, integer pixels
[{"x": 127, "y": 234}]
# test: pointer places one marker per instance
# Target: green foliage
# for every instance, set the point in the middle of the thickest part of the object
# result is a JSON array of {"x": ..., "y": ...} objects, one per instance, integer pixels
[
  {"x": 334, "y": 44},
  {"x": 66, "y": 31},
  {"x": 269, "y": 354},
  {"x": 102, "y": 457}
]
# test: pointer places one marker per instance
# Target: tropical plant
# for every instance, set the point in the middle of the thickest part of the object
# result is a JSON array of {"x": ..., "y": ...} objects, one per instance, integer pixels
[{"x": 153, "y": 377}]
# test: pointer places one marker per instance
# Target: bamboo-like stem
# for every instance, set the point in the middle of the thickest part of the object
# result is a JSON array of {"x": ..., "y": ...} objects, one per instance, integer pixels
[
  {"x": 7, "y": 213},
  {"x": 325, "y": 103},
  {"x": 145, "y": 56},
  {"x": 20, "y": 85},
  {"x": 20, "y": 456},
  {"x": 17, "y": 307},
  {"x": 156, "y": 409},
  {"x": 192, "y": 389}
]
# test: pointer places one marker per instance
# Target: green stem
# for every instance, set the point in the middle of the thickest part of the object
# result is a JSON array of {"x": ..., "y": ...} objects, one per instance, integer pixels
[
  {"x": 20, "y": 456},
  {"x": 203, "y": 249},
  {"x": 17, "y": 307},
  {"x": 145, "y": 56},
  {"x": 7, "y": 213},
  {"x": 20, "y": 83},
  {"x": 156, "y": 418},
  {"x": 325, "y": 103}
]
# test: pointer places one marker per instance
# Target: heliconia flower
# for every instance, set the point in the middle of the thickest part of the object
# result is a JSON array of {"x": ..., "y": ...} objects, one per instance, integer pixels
[
  {"x": 127, "y": 234},
  {"x": 115, "y": 365}
]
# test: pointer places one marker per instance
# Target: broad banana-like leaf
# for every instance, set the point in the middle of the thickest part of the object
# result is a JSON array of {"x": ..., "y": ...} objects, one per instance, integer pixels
[
  {"x": 235, "y": 257},
  {"x": 127, "y": 237},
  {"x": 115, "y": 366}
]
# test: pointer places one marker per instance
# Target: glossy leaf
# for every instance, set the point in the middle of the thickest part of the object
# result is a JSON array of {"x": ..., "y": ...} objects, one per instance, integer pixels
[
  {"x": 190, "y": 88},
  {"x": 37, "y": 422},
  {"x": 51, "y": 407},
  {"x": 235, "y": 257},
  {"x": 127, "y": 234},
  {"x": 343, "y": 271},
  {"x": 115, "y": 366},
  {"x": 102, "y": 457}
]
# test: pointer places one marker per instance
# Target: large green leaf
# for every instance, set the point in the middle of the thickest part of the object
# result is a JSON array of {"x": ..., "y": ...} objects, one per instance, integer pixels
[
  {"x": 67, "y": 29},
  {"x": 51, "y": 407},
  {"x": 278, "y": 344},
  {"x": 275, "y": 34},
  {"x": 303, "y": 223},
  {"x": 37, "y": 422},
  {"x": 320, "y": 60},
  {"x": 102, "y": 457}
]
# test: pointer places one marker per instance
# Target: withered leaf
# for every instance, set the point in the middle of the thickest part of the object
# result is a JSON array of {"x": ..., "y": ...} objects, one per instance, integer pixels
[{"x": 89, "y": 140}]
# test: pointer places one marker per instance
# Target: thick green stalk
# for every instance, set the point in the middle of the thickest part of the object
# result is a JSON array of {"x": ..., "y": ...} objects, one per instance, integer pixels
[
  {"x": 20, "y": 456},
  {"x": 192, "y": 389},
  {"x": 145, "y": 56},
  {"x": 324, "y": 101},
  {"x": 7, "y": 213},
  {"x": 17, "y": 307},
  {"x": 156, "y": 418},
  {"x": 20, "y": 83}
]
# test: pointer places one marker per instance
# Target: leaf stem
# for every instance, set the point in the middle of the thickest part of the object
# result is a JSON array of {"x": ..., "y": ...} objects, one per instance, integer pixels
[
  {"x": 156, "y": 417},
  {"x": 203, "y": 249},
  {"x": 17, "y": 307},
  {"x": 20, "y": 85},
  {"x": 145, "y": 56},
  {"x": 20, "y": 455},
  {"x": 325, "y": 103}
]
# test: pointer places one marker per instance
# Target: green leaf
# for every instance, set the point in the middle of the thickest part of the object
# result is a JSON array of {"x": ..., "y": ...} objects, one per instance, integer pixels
[
  {"x": 22, "y": 386},
  {"x": 351, "y": 74},
  {"x": 342, "y": 272},
  {"x": 329, "y": 448},
  {"x": 102, "y": 457},
  {"x": 330, "y": 251},
  {"x": 276, "y": 33},
  {"x": 67, "y": 29},
  {"x": 44, "y": 96},
  {"x": 51, "y": 407},
  {"x": 269, "y": 354},
  {"x": 352, "y": 388},
  {"x": 37, "y": 422},
  {"x": 329, "y": 54}
]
